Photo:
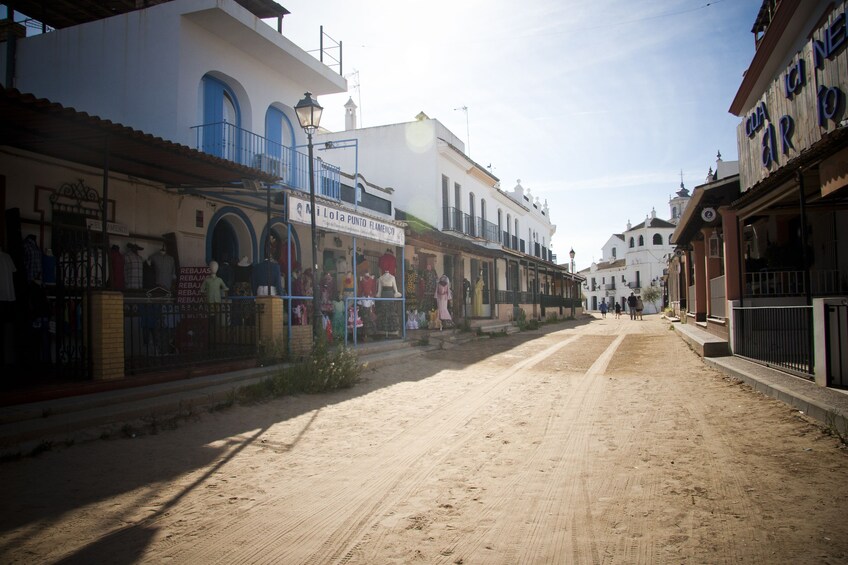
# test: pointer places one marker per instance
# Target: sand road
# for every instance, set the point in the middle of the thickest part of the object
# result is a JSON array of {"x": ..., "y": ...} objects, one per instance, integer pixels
[{"x": 590, "y": 442}]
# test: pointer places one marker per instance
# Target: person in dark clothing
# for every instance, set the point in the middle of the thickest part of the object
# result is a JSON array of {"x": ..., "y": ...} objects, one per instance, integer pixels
[{"x": 631, "y": 305}]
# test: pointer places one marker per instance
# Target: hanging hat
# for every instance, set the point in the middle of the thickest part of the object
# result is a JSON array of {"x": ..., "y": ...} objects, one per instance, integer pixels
[{"x": 244, "y": 261}]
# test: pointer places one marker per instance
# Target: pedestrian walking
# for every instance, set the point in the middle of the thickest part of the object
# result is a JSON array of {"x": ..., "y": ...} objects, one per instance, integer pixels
[
  {"x": 603, "y": 308},
  {"x": 639, "y": 307},
  {"x": 617, "y": 310},
  {"x": 631, "y": 305}
]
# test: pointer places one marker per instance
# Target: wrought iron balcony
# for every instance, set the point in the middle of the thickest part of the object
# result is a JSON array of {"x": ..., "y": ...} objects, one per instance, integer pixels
[{"x": 241, "y": 146}]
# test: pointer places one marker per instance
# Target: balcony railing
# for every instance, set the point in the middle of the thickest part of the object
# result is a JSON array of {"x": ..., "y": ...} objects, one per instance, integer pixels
[
  {"x": 793, "y": 283},
  {"x": 487, "y": 230},
  {"x": 244, "y": 147}
]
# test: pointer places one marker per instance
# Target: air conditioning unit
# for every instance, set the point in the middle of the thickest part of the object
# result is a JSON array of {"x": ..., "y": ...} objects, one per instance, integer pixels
[{"x": 270, "y": 165}]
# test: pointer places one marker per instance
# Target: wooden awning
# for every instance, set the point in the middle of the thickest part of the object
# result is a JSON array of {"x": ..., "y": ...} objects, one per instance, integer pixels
[{"x": 47, "y": 128}]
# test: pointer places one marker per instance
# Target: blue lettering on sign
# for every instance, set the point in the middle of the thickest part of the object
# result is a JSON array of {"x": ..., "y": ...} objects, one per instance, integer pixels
[
  {"x": 833, "y": 39},
  {"x": 769, "y": 154},
  {"x": 787, "y": 127},
  {"x": 756, "y": 120},
  {"x": 794, "y": 79},
  {"x": 830, "y": 102}
]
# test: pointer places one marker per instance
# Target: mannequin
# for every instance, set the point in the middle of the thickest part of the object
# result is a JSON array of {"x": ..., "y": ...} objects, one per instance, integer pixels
[
  {"x": 368, "y": 289},
  {"x": 48, "y": 266},
  {"x": 478, "y": 296},
  {"x": 387, "y": 262},
  {"x": 213, "y": 287},
  {"x": 387, "y": 311},
  {"x": 338, "y": 318},
  {"x": 443, "y": 295},
  {"x": 241, "y": 277},
  {"x": 307, "y": 286},
  {"x": 411, "y": 289},
  {"x": 164, "y": 269},
  {"x": 117, "y": 268},
  {"x": 429, "y": 278},
  {"x": 266, "y": 278},
  {"x": 348, "y": 284},
  {"x": 328, "y": 292},
  {"x": 226, "y": 271},
  {"x": 133, "y": 267}
]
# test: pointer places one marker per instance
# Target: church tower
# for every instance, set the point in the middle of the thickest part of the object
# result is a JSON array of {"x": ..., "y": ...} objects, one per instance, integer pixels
[
  {"x": 350, "y": 115},
  {"x": 677, "y": 203}
]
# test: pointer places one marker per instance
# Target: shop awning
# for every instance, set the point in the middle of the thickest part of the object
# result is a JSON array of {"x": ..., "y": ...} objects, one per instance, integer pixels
[
  {"x": 713, "y": 195},
  {"x": 48, "y": 128}
]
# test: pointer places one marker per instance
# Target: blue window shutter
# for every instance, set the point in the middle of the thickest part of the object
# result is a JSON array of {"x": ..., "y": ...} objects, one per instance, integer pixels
[
  {"x": 274, "y": 132},
  {"x": 213, "y": 115}
]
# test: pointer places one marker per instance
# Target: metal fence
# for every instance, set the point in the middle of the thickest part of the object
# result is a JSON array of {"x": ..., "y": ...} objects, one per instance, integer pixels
[
  {"x": 779, "y": 336},
  {"x": 162, "y": 334}
]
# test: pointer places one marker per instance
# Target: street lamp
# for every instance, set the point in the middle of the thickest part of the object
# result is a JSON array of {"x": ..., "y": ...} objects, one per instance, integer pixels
[
  {"x": 309, "y": 115},
  {"x": 573, "y": 281}
]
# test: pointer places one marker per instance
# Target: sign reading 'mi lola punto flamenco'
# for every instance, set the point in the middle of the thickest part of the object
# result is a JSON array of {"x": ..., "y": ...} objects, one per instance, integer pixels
[
  {"x": 800, "y": 105},
  {"x": 340, "y": 220}
]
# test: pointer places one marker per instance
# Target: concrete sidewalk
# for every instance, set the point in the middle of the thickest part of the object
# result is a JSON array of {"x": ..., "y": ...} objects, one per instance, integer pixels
[{"x": 827, "y": 405}]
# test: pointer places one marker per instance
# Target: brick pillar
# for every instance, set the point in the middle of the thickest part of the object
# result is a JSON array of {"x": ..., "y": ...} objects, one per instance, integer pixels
[
  {"x": 270, "y": 322},
  {"x": 107, "y": 335},
  {"x": 732, "y": 254}
]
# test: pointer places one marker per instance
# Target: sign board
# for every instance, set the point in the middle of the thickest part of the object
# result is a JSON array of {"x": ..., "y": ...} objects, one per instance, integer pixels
[
  {"x": 339, "y": 220},
  {"x": 111, "y": 227},
  {"x": 708, "y": 214},
  {"x": 189, "y": 281},
  {"x": 799, "y": 106}
]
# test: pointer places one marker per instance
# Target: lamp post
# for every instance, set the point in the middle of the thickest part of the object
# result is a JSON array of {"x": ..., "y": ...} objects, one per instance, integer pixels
[
  {"x": 573, "y": 281},
  {"x": 309, "y": 115}
]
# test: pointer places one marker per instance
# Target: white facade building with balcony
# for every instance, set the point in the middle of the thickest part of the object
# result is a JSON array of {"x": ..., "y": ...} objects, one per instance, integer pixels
[{"x": 631, "y": 261}]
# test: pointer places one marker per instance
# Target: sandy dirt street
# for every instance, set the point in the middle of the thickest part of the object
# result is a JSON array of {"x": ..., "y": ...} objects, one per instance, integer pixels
[{"x": 595, "y": 442}]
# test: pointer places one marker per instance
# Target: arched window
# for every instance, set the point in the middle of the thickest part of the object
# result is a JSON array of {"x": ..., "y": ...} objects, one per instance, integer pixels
[
  {"x": 657, "y": 239},
  {"x": 500, "y": 226},
  {"x": 279, "y": 149},
  {"x": 631, "y": 243},
  {"x": 641, "y": 241},
  {"x": 472, "y": 212},
  {"x": 221, "y": 120}
]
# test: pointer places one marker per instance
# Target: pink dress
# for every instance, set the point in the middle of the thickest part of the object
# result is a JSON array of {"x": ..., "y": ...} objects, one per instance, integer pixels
[{"x": 443, "y": 294}]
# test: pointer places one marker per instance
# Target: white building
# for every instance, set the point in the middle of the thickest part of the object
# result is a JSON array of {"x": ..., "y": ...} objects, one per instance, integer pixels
[
  {"x": 631, "y": 261},
  {"x": 506, "y": 233}
]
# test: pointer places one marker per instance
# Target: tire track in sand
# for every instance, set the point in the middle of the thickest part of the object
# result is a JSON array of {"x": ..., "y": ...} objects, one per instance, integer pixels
[{"x": 340, "y": 514}]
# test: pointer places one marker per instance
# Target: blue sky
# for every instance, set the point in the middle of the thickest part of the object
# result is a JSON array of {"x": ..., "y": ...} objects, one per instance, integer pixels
[{"x": 596, "y": 105}]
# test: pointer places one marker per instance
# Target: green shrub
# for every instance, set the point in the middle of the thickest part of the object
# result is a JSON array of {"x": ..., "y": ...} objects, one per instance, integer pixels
[{"x": 324, "y": 370}]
